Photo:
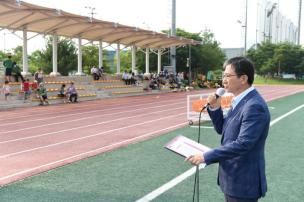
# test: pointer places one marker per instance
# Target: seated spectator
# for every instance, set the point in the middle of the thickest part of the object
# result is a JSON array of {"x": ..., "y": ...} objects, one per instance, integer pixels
[
  {"x": 146, "y": 83},
  {"x": 26, "y": 89},
  {"x": 100, "y": 72},
  {"x": 126, "y": 77},
  {"x": 62, "y": 93},
  {"x": 6, "y": 90},
  {"x": 95, "y": 73},
  {"x": 34, "y": 87},
  {"x": 178, "y": 81},
  {"x": 38, "y": 76},
  {"x": 42, "y": 94},
  {"x": 162, "y": 81},
  {"x": 72, "y": 93},
  {"x": 133, "y": 79},
  {"x": 154, "y": 84}
]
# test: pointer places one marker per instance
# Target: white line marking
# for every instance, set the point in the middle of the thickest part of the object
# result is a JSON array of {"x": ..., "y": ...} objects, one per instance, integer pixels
[
  {"x": 207, "y": 127},
  {"x": 85, "y": 126},
  {"x": 169, "y": 185},
  {"x": 93, "y": 151},
  {"x": 285, "y": 115},
  {"x": 88, "y": 112},
  {"x": 82, "y": 108},
  {"x": 85, "y": 118},
  {"x": 86, "y": 137}
]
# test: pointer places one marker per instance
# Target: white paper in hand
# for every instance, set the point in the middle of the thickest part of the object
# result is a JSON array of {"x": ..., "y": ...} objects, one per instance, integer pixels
[{"x": 185, "y": 146}]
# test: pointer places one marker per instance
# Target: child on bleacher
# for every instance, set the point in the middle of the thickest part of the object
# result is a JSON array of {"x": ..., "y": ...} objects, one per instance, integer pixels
[
  {"x": 62, "y": 93},
  {"x": 6, "y": 90},
  {"x": 42, "y": 94},
  {"x": 26, "y": 89},
  {"x": 34, "y": 87}
]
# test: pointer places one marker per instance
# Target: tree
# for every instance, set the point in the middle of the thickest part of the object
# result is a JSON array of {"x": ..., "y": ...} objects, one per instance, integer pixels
[
  {"x": 277, "y": 58},
  {"x": 89, "y": 58},
  {"x": 125, "y": 60},
  {"x": 17, "y": 54},
  {"x": 287, "y": 57},
  {"x": 204, "y": 57},
  {"x": 212, "y": 57},
  {"x": 67, "y": 56},
  {"x": 35, "y": 61},
  {"x": 262, "y": 57}
]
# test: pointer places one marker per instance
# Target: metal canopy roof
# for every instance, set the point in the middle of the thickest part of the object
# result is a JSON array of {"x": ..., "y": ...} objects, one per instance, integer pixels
[{"x": 18, "y": 15}]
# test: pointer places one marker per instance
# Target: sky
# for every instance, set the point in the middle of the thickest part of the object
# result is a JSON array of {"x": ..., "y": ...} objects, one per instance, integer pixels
[{"x": 218, "y": 16}]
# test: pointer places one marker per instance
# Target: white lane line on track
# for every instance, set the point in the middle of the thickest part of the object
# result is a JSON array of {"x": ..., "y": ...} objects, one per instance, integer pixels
[
  {"x": 87, "y": 117},
  {"x": 143, "y": 100},
  {"x": 169, "y": 185},
  {"x": 86, "y": 126},
  {"x": 82, "y": 107},
  {"x": 280, "y": 94},
  {"x": 206, "y": 127},
  {"x": 95, "y": 150},
  {"x": 87, "y": 112},
  {"x": 86, "y": 137}
]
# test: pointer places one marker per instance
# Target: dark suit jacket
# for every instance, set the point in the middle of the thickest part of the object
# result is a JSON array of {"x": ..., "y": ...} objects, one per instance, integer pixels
[{"x": 241, "y": 154}]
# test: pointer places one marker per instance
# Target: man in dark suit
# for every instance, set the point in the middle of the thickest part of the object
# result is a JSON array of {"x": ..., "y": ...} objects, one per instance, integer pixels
[{"x": 244, "y": 131}]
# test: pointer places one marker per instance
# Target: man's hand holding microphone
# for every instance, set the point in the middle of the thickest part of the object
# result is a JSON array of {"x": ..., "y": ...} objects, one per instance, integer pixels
[{"x": 213, "y": 102}]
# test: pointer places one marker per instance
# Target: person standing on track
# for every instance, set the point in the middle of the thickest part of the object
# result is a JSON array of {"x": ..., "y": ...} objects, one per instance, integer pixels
[{"x": 244, "y": 131}]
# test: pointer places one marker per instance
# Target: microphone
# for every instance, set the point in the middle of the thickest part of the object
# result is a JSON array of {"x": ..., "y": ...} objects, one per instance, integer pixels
[{"x": 219, "y": 93}]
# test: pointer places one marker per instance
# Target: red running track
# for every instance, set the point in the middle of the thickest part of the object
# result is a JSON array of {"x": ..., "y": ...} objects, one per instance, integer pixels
[{"x": 34, "y": 140}]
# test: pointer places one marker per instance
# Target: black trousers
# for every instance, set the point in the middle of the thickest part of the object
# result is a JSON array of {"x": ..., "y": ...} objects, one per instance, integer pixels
[
  {"x": 73, "y": 96},
  {"x": 17, "y": 75},
  {"x": 235, "y": 199}
]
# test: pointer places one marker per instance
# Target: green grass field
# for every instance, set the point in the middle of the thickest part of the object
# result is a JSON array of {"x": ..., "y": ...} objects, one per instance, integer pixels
[
  {"x": 273, "y": 81},
  {"x": 129, "y": 173}
]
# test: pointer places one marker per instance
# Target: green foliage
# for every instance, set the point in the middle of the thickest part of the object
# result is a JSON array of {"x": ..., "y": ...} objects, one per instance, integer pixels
[
  {"x": 3, "y": 56},
  {"x": 89, "y": 58},
  {"x": 204, "y": 57},
  {"x": 141, "y": 61},
  {"x": 16, "y": 55},
  {"x": 67, "y": 57},
  {"x": 262, "y": 80},
  {"x": 125, "y": 61},
  {"x": 35, "y": 61},
  {"x": 277, "y": 58}
]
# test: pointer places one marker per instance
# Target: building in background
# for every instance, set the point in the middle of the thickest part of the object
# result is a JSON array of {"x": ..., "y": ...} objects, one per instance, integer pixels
[
  {"x": 273, "y": 26},
  {"x": 233, "y": 52}
]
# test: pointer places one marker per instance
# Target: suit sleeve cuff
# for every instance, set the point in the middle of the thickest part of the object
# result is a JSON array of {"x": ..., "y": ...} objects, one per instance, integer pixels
[{"x": 207, "y": 157}]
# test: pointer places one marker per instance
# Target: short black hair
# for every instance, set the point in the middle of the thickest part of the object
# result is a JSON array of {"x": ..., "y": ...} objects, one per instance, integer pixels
[{"x": 242, "y": 66}]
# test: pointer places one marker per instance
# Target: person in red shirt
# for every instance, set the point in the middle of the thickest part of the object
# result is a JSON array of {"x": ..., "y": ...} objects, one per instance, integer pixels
[
  {"x": 34, "y": 86},
  {"x": 26, "y": 89}
]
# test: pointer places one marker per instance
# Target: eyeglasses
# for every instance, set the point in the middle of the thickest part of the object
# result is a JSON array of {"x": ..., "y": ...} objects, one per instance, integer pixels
[{"x": 228, "y": 75}]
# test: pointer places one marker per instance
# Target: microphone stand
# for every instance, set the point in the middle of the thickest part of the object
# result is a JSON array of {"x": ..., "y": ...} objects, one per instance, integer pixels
[{"x": 196, "y": 179}]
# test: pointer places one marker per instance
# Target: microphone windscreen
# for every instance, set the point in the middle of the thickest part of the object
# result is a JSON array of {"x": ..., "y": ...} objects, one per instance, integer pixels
[{"x": 220, "y": 92}]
